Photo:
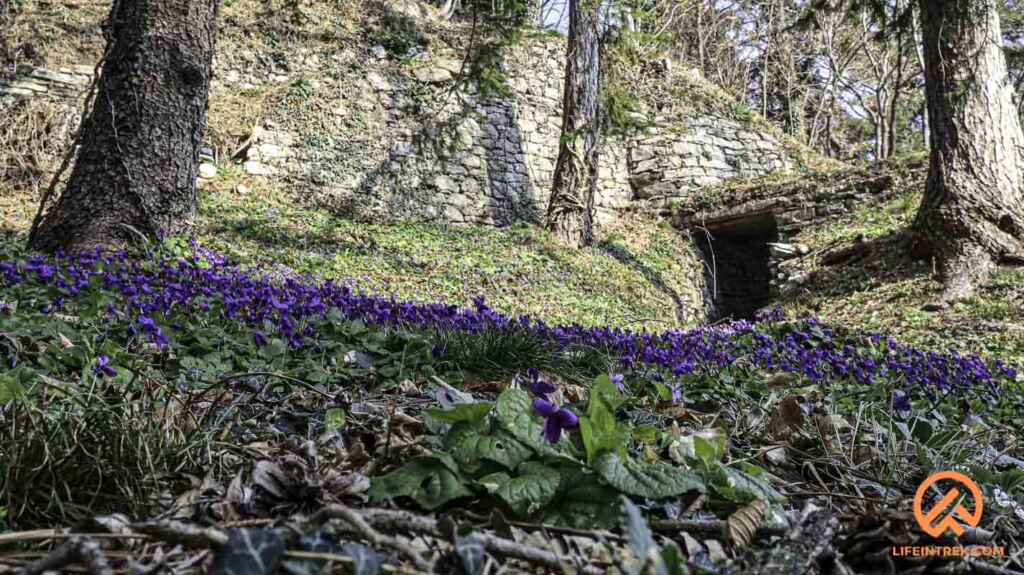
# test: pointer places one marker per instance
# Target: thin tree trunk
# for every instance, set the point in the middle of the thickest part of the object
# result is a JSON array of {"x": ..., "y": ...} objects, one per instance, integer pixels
[
  {"x": 919, "y": 52},
  {"x": 571, "y": 208},
  {"x": 972, "y": 213},
  {"x": 138, "y": 158}
]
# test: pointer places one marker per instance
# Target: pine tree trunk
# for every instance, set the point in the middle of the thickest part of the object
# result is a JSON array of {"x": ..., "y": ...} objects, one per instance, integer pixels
[
  {"x": 972, "y": 211},
  {"x": 571, "y": 208},
  {"x": 138, "y": 158}
]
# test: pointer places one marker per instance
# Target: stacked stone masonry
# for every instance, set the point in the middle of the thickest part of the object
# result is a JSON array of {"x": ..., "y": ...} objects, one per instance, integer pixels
[{"x": 483, "y": 160}]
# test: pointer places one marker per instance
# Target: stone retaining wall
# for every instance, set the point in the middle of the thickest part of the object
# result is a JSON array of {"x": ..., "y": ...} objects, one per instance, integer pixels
[{"x": 361, "y": 129}]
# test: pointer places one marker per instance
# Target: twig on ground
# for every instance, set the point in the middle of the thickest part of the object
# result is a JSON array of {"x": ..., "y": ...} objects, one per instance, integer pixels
[
  {"x": 710, "y": 527},
  {"x": 403, "y": 520},
  {"x": 346, "y": 560},
  {"x": 177, "y": 532},
  {"x": 983, "y": 568},
  {"x": 360, "y": 524},
  {"x": 76, "y": 550}
]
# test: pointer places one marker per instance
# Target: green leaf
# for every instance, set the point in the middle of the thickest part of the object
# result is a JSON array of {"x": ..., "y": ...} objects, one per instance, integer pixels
[
  {"x": 741, "y": 487},
  {"x": 430, "y": 481},
  {"x": 468, "y": 445},
  {"x": 472, "y": 412},
  {"x": 653, "y": 480},
  {"x": 533, "y": 489},
  {"x": 608, "y": 391},
  {"x": 514, "y": 411},
  {"x": 647, "y": 434},
  {"x": 493, "y": 481},
  {"x": 703, "y": 449},
  {"x": 601, "y": 432},
  {"x": 639, "y": 535},
  {"x": 583, "y": 501},
  {"x": 14, "y": 384},
  {"x": 334, "y": 419}
]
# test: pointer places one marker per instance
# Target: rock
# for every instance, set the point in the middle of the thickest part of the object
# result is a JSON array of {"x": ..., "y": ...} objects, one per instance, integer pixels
[
  {"x": 445, "y": 184},
  {"x": 379, "y": 52},
  {"x": 785, "y": 251},
  {"x": 432, "y": 74},
  {"x": 243, "y": 189},
  {"x": 254, "y": 168},
  {"x": 378, "y": 82},
  {"x": 410, "y": 8},
  {"x": 207, "y": 171},
  {"x": 271, "y": 151}
]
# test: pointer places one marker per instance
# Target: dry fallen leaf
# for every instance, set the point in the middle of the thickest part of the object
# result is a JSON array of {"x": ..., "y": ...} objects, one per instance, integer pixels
[
  {"x": 781, "y": 379},
  {"x": 715, "y": 551},
  {"x": 775, "y": 455},
  {"x": 744, "y": 522}
]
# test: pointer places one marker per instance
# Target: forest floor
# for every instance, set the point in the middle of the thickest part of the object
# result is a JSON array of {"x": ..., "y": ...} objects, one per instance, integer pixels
[
  {"x": 171, "y": 412},
  {"x": 167, "y": 411}
]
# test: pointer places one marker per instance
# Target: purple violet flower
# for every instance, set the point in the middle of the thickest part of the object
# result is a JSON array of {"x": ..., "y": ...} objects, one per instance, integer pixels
[
  {"x": 555, "y": 419},
  {"x": 537, "y": 385},
  {"x": 102, "y": 367}
]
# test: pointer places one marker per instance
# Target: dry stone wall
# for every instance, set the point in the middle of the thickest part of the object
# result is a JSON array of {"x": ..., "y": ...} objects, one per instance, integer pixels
[
  {"x": 698, "y": 152},
  {"x": 28, "y": 82},
  {"x": 363, "y": 130}
]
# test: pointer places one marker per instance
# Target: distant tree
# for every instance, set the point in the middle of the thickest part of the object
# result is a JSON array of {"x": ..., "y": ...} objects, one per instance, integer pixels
[
  {"x": 138, "y": 155},
  {"x": 972, "y": 213},
  {"x": 571, "y": 209}
]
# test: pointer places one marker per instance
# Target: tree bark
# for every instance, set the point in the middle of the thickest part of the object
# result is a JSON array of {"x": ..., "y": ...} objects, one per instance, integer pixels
[
  {"x": 571, "y": 208},
  {"x": 138, "y": 157},
  {"x": 971, "y": 214}
]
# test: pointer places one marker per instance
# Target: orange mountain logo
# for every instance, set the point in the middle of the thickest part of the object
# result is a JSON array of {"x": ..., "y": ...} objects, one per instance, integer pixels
[{"x": 938, "y": 520}]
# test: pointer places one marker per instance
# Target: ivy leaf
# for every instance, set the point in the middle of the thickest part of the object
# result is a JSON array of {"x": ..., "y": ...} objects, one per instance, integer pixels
[
  {"x": 653, "y": 480},
  {"x": 430, "y": 481},
  {"x": 256, "y": 551},
  {"x": 469, "y": 445},
  {"x": 535, "y": 487}
]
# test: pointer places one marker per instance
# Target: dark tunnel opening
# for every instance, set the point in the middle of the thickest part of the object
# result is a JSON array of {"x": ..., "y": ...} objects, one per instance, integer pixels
[{"x": 737, "y": 271}]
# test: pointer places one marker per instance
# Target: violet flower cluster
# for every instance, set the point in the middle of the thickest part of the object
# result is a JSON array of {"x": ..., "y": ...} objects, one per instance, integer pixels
[
  {"x": 556, "y": 419},
  {"x": 153, "y": 294}
]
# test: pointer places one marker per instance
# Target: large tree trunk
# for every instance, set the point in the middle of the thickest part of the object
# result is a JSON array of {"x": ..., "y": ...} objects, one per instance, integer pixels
[
  {"x": 971, "y": 214},
  {"x": 571, "y": 208},
  {"x": 138, "y": 158}
]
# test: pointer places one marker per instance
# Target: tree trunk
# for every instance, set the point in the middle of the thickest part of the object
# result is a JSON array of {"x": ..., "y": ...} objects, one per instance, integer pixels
[
  {"x": 138, "y": 157},
  {"x": 533, "y": 9},
  {"x": 971, "y": 214},
  {"x": 571, "y": 208}
]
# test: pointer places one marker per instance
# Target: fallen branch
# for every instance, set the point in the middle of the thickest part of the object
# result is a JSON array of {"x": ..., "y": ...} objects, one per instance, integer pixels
[
  {"x": 76, "y": 550},
  {"x": 180, "y": 533},
  {"x": 359, "y": 523},
  {"x": 715, "y": 527},
  {"x": 403, "y": 520}
]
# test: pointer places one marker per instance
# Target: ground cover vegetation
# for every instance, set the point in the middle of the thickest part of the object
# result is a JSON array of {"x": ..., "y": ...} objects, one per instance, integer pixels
[
  {"x": 180, "y": 386},
  {"x": 289, "y": 391}
]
